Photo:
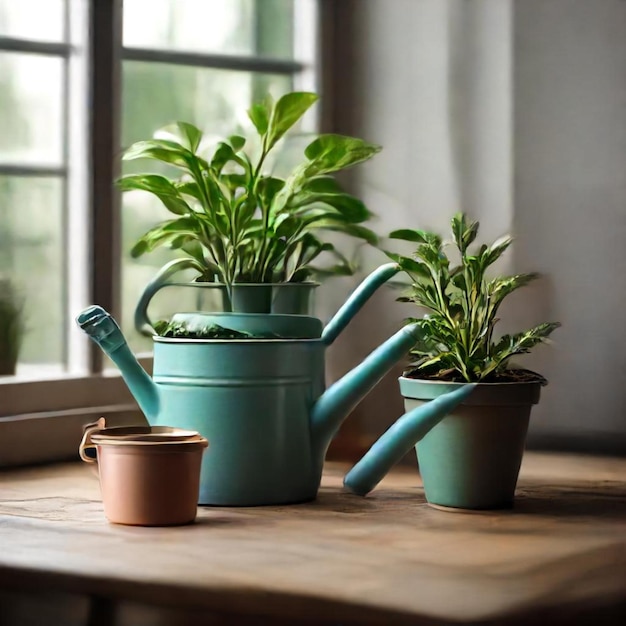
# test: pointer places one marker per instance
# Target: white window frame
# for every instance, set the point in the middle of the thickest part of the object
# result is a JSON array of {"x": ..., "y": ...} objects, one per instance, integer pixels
[{"x": 42, "y": 419}]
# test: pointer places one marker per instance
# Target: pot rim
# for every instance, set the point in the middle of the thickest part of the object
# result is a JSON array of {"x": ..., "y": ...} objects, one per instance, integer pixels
[
  {"x": 152, "y": 446},
  {"x": 502, "y": 394},
  {"x": 460, "y": 384},
  {"x": 146, "y": 436},
  {"x": 238, "y": 285},
  {"x": 251, "y": 341}
]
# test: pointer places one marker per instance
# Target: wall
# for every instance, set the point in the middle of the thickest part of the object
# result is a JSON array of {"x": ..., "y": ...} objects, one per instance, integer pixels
[
  {"x": 570, "y": 206},
  {"x": 514, "y": 112}
]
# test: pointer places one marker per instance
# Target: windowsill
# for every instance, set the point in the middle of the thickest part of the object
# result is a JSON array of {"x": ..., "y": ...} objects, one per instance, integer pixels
[
  {"x": 42, "y": 420},
  {"x": 32, "y": 373},
  {"x": 557, "y": 558}
]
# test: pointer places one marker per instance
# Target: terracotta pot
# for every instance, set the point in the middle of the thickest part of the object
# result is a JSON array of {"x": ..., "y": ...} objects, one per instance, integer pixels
[{"x": 149, "y": 476}]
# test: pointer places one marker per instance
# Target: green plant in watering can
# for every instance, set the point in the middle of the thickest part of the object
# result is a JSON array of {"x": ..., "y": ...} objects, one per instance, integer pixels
[
  {"x": 471, "y": 458},
  {"x": 236, "y": 222}
]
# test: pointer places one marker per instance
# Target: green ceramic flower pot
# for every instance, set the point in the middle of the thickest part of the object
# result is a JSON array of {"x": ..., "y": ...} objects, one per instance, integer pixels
[
  {"x": 471, "y": 459},
  {"x": 275, "y": 298}
]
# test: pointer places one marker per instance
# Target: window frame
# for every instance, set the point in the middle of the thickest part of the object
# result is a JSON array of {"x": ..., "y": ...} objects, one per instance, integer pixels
[{"x": 41, "y": 419}]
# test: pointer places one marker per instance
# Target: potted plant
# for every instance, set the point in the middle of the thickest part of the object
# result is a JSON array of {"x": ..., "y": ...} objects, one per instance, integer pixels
[
  {"x": 237, "y": 224},
  {"x": 471, "y": 459},
  {"x": 11, "y": 326}
]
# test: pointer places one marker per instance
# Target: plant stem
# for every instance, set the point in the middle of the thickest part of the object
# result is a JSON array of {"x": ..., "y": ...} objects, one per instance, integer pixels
[{"x": 265, "y": 211}]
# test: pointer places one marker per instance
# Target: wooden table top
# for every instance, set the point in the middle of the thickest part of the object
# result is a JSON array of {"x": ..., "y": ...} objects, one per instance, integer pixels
[{"x": 388, "y": 558}]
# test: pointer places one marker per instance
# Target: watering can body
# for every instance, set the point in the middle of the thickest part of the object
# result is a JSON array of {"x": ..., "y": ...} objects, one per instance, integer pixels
[{"x": 253, "y": 400}]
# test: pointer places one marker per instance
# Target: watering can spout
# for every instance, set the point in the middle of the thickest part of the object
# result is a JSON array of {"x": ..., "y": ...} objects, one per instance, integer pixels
[
  {"x": 400, "y": 438},
  {"x": 356, "y": 301},
  {"x": 340, "y": 398},
  {"x": 104, "y": 331}
]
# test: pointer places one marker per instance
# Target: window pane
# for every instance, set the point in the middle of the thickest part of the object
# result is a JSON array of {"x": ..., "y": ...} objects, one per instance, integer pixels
[
  {"x": 30, "y": 109},
  {"x": 245, "y": 27},
  {"x": 31, "y": 256},
  {"x": 154, "y": 95},
  {"x": 32, "y": 19}
]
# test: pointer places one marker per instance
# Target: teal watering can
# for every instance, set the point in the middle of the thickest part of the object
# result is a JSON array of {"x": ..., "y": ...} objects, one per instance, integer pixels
[{"x": 262, "y": 403}]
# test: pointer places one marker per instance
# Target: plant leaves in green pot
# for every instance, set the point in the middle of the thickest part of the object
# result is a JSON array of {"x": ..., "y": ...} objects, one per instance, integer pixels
[{"x": 463, "y": 302}]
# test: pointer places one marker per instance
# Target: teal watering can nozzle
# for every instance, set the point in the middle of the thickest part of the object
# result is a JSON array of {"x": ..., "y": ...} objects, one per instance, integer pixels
[
  {"x": 101, "y": 327},
  {"x": 104, "y": 330}
]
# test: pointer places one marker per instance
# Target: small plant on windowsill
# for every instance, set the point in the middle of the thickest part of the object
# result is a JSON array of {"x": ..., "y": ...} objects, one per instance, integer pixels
[
  {"x": 11, "y": 326},
  {"x": 240, "y": 225},
  {"x": 471, "y": 459}
]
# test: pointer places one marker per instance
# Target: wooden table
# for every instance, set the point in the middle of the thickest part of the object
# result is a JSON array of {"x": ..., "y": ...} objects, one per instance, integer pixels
[{"x": 558, "y": 558}]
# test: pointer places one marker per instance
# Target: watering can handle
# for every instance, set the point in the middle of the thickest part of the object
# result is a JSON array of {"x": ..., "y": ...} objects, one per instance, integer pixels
[
  {"x": 356, "y": 301},
  {"x": 86, "y": 444},
  {"x": 143, "y": 323}
]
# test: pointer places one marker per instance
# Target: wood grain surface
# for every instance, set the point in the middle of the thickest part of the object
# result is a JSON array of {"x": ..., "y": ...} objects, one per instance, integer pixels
[{"x": 558, "y": 557}]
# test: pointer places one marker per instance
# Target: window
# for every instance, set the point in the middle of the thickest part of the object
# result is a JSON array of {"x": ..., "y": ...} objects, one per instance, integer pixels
[
  {"x": 34, "y": 94},
  {"x": 68, "y": 105},
  {"x": 216, "y": 58}
]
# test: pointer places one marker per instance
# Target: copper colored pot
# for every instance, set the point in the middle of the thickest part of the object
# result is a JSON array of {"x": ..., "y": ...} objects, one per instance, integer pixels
[{"x": 149, "y": 476}]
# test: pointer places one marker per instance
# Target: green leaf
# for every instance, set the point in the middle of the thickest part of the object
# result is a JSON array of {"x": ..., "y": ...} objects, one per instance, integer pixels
[
  {"x": 223, "y": 154},
  {"x": 331, "y": 153},
  {"x": 164, "y": 233},
  {"x": 237, "y": 142},
  {"x": 184, "y": 133},
  {"x": 234, "y": 181},
  {"x": 286, "y": 225},
  {"x": 267, "y": 188},
  {"x": 178, "y": 241},
  {"x": 499, "y": 288},
  {"x": 140, "y": 248},
  {"x": 348, "y": 207},
  {"x": 464, "y": 232},
  {"x": 459, "y": 281},
  {"x": 159, "y": 150},
  {"x": 520, "y": 343},
  {"x": 216, "y": 196},
  {"x": 407, "y": 234},
  {"x": 158, "y": 185},
  {"x": 408, "y": 265},
  {"x": 194, "y": 249},
  {"x": 432, "y": 256},
  {"x": 287, "y": 111},
  {"x": 260, "y": 117},
  {"x": 495, "y": 251},
  {"x": 322, "y": 184},
  {"x": 190, "y": 188}
]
